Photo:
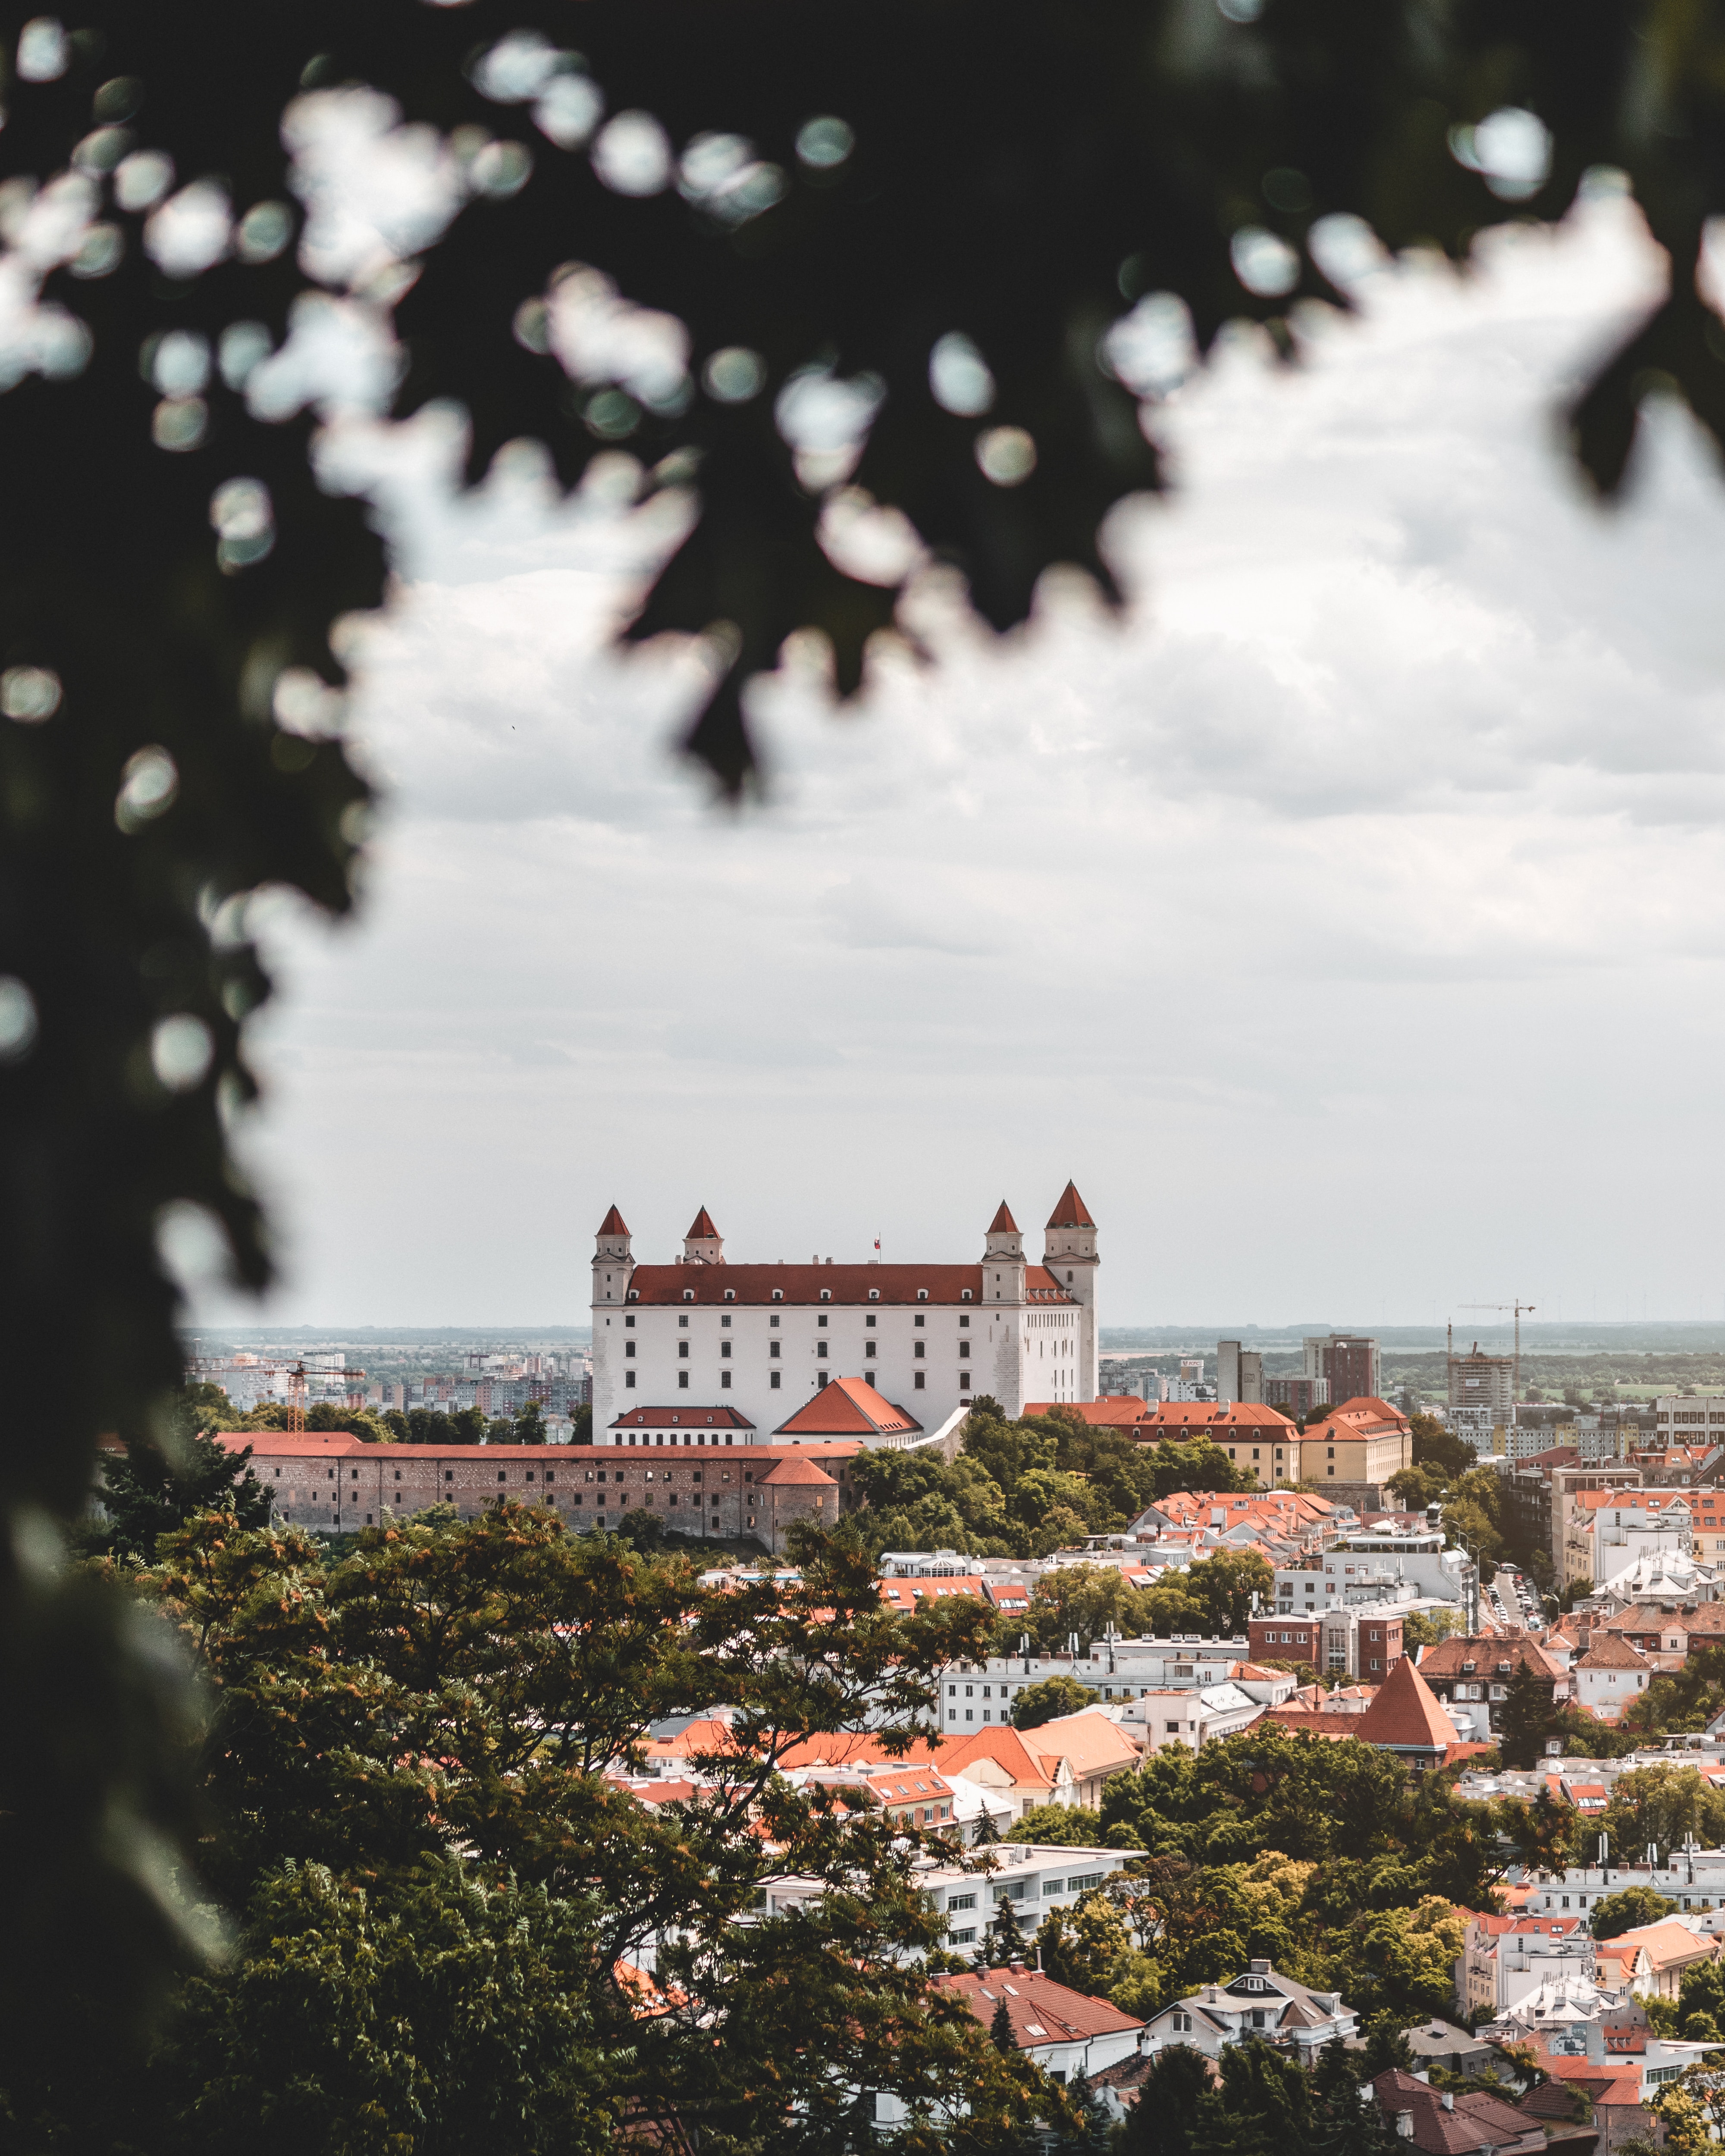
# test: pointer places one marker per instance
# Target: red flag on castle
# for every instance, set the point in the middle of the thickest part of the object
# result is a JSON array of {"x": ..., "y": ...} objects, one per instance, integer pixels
[{"x": 877, "y": 1242}]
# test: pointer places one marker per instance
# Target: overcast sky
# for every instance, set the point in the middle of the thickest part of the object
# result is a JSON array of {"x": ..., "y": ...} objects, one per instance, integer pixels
[{"x": 1348, "y": 924}]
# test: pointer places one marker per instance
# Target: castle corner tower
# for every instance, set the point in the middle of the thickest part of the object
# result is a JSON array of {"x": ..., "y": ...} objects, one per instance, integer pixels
[
  {"x": 703, "y": 1245},
  {"x": 1069, "y": 1251}
]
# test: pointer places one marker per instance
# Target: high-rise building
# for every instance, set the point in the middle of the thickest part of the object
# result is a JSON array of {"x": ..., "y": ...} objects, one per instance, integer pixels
[
  {"x": 1348, "y": 1363},
  {"x": 1481, "y": 1394},
  {"x": 1239, "y": 1373},
  {"x": 1296, "y": 1395}
]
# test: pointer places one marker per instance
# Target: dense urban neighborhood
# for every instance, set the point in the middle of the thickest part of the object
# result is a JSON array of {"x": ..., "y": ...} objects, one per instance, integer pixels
[{"x": 915, "y": 1766}]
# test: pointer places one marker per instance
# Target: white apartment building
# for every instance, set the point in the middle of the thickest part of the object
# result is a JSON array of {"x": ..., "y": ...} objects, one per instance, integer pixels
[
  {"x": 1375, "y": 1567},
  {"x": 1034, "y": 1877},
  {"x": 972, "y": 1693},
  {"x": 760, "y": 1341},
  {"x": 1687, "y": 1419},
  {"x": 1634, "y": 1525}
]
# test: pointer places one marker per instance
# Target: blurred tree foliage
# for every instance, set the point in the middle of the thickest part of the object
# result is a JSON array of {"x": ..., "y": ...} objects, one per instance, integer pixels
[{"x": 802, "y": 208}]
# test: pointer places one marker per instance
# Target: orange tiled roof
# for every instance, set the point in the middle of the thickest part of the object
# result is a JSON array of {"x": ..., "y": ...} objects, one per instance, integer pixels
[
  {"x": 1003, "y": 1223},
  {"x": 849, "y": 1407},
  {"x": 613, "y": 1223},
  {"x": 702, "y": 1226},
  {"x": 1040, "y": 2010}
]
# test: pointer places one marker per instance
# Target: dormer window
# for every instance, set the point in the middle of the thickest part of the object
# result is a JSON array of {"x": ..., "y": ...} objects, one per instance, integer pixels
[
  {"x": 964, "y": 1295},
  {"x": 730, "y": 1294},
  {"x": 826, "y": 1294},
  {"x": 873, "y": 1295},
  {"x": 688, "y": 1294},
  {"x": 922, "y": 1294},
  {"x": 779, "y": 1295},
  {"x": 635, "y": 1295}
]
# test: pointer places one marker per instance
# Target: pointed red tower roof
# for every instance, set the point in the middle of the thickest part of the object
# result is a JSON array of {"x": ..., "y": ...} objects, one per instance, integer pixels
[
  {"x": 1071, "y": 1212},
  {"x": 1003, "y": 1223},
  {"x": 613, "y": 1223},
  {"x": 703, "y": 1225},
  {"x": 1407, "y": 1715}
]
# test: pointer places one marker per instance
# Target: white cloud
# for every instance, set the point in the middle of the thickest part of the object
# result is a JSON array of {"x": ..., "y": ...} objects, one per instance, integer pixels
[{"x": 1348, "y": 922}]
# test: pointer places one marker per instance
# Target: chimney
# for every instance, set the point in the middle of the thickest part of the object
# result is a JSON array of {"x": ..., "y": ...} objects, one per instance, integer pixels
[{"x": 1447, "y": 2098}]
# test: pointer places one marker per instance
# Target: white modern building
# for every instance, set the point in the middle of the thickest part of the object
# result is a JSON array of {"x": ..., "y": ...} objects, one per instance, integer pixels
[{"x": 762, "y": 1341}]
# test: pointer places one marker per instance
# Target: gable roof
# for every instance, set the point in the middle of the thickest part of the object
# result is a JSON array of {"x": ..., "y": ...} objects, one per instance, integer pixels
[
  {"x": 1406, "y": 1714},
  {"x": 1485, "y": 1651},
  {"x": 1089, "y": 1741},
  {"x": 702, "y": 1226},
  {"x": 849, "y": 1407},
  {"x": 1607, "y": 1651},
  {"x": 1007, "y": 1748},
  {"x": 1112, "y": 1411},
  {"x": 1003, "y": 1223},
  {"x": 1247, "y": 1416},
  {"x": 311, "y": 1444},
  {"x": 1466, "y": 2122},
  {"x": 1040, "y": 2010},
  {"x": 1070, "y": 1211}
]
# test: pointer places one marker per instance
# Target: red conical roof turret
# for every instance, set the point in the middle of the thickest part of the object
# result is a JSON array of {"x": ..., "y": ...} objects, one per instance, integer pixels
[
  {"x": 1003, "y": 1223},
  {"x": 1071, "y": 1212},
  {"x": 703, "y": 1226},
  {"x": 613, "y": 1223}
]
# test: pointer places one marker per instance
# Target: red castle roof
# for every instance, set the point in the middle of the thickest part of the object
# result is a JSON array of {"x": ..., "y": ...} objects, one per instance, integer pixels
[
  {"x": 1071, "y": 1212},
  {"x": 1003, "y": 1223},
  {"x": 859, "y": 1284},
  {"x": 702, "y": 1226}
]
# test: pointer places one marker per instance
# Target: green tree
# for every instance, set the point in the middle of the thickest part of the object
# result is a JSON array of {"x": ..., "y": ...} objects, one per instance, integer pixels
[
  {"x": 1527, "y": 1719},
  {"x": 1067, "y": 1826},
  {"x": 1053, "y": 1697},
  {"x": 1701, "y": 1999},
  {"x": 1263, "y": 2108},
  {"x": 1164, "y": 2119},
  {"x": 1000, "y": 2033},
  {"x": 1628, "y": 1910},
  {"x": 147, "y": 1491},
  {"x": 1436, "y": 1445},
  {"x": 1084, "y": 1945},
  {"x": 1424, "y": 1627}
]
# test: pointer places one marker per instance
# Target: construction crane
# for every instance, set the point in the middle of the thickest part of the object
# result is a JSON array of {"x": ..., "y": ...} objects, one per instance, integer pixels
[
  {"x": 1515, "y": 1375},
  {"x": 297, "y": 1374}
]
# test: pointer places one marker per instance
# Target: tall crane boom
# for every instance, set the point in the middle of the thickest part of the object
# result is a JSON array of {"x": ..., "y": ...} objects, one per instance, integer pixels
[{"x": 1516, "y": 1375}]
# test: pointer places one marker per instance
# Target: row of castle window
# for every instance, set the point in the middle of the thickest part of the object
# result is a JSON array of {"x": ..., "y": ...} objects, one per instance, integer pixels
[
  {"x": 920, "y": 1380},
  {"x": 773, "y": 1322},
  {"x": 775, "y": 1349}
]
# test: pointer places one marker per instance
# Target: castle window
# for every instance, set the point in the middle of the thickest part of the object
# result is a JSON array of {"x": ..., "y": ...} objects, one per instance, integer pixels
[
  {"x": 724, "y": 1381},
  {"x": 963, "y": 1323},
  {"x": 730, "y": 1296},
  {"x": 775, "y": 1348},
  {"x": 873, "y": 1295},
  {"x": 773, "y": 1382},
  {"x": 635, "y": 1295},
  {"x": 921, "y": 1296},
  {"x": 821, "y": 1320},
  {"x": 869, "y": 1320},
  {"x": 921, "y": 1380},
  {"x": 919, "y": 1347},
  {"x": 628, "y": 1322},
  {"x": 826, "y": 1294},
  {"x": 963, "y": 1297},
  {"x": 725, "y": 1321},
  {"x": 778, "y": 1296},
  {"x": 919, "y": 1321},
  {"x": 684, "y": 1323},
  {"x": 688, "y": 1294},
  {"x": 629, "y": 1381},
  {"x": 724, "y": 1347},
  {"x": 682, "y": 1381},
  {"x": 820, "y": 1348}
]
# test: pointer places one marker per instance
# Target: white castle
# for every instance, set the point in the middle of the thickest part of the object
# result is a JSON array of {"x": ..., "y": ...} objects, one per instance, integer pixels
[{"x": 752, "y": 1354}]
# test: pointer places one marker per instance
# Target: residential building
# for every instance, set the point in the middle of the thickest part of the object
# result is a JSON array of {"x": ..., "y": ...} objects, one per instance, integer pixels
[
  {"x": 1358, "y": 1445},
  {"x": 1573, "y": 1488},
  {"x": 1482, "y": 1396},
  {"x": 331, "y": 1481},
  {"x": 1067, "y": 2033},
  {"x": 1034, "y": 1877},
  {"x": 1622, "y": 1529},
  {"x": 1357, "y": 1641},
  {"x": 1608, "y": 1676},
  {"x": 1347, "y": 1362},
  {"x": 1239, "y": 1373},
  {"x": 1261, "y": 1441},
  {"x": 1259, "y": 2006},
  {"x": 1505, "y": 1959},
  {"x": 1650, "y": 1960},
  {"x": 1689, "y": 1418},
  {"x": 1116, "y": 1673},
  {"x": 764, "y": 1338},
  {"x": 1295, "y": 1393},
  {"x": 1193, "y": 1715},
  {"x": 1477, "y": 1669},
  {"x": 1376, "y": 1565},
  {"x": 1447, "y": 2123}
]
